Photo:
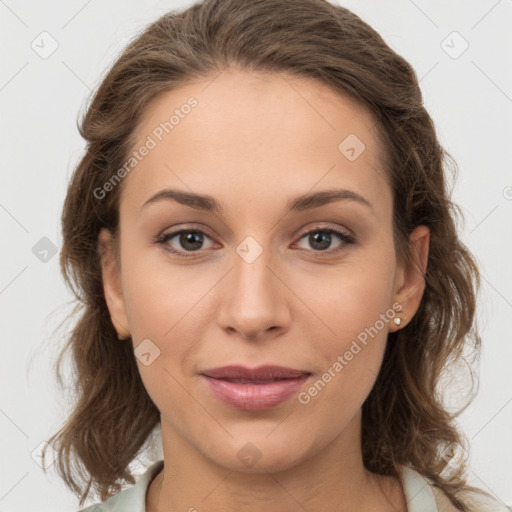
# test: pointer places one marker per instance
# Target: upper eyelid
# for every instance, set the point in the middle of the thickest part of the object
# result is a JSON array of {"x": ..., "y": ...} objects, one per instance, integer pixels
[{"x": 305, "y": 230}]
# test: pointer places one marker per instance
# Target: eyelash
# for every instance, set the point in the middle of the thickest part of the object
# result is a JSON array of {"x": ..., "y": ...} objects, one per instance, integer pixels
[{"x": 163, "y": 239}]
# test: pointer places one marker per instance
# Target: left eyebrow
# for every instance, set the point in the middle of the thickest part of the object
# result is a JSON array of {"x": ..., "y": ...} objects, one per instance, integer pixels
[
  {"x": 301, "y": 203},
  {"x": 309, "y": 201}
]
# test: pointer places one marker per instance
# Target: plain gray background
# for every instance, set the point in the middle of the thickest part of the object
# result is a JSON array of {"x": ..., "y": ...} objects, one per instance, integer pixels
[{"x": 468, "y": 92}]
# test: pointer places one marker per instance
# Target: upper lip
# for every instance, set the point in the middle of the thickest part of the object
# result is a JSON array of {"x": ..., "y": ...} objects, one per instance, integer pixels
[{"x": 260, "y": 373}]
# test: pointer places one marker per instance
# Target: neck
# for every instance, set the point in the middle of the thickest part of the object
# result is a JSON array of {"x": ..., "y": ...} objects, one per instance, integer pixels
[{"x": 333, "y": 479}]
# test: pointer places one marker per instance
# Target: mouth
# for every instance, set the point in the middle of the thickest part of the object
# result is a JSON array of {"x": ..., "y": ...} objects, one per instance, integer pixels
[
  {"x": 254, "y": 389},
  {"x": 262, "y": 373},
  {"x": 254, "y": 381}
]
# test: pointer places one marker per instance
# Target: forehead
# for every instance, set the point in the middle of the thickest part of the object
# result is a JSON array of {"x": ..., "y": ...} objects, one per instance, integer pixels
[{"x": 265, "y": 134}]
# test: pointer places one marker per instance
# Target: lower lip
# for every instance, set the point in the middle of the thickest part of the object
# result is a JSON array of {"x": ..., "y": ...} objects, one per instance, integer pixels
[{"x": 255, "y": 397}]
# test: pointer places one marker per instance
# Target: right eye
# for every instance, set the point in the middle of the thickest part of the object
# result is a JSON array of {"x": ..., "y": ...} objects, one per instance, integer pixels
[{"x": 190, "y": 241}]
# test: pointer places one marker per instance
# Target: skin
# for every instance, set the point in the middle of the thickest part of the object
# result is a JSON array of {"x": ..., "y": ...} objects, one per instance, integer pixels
[{"x": 253, "y": 142}]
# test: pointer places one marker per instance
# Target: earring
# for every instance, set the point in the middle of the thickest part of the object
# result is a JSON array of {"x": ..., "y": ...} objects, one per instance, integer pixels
[{"x": 397, "y": 320}]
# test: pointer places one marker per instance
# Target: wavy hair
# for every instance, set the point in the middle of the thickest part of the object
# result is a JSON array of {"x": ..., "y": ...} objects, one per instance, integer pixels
[{"x": 404, "y": 418}]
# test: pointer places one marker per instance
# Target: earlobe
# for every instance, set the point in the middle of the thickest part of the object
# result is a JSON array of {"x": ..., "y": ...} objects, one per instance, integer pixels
[
  {"x": 412, "y": 278},
  {"x": 111, "y": 276}
]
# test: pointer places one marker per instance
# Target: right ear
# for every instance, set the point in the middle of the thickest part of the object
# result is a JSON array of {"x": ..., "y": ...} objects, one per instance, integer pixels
[{"x": 111, "y": 276}]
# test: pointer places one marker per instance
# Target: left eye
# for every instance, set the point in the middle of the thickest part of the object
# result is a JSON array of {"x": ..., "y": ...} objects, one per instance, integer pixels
[
  {"x": 322, "y": 238},
  {"x": 192, "y": 240}
]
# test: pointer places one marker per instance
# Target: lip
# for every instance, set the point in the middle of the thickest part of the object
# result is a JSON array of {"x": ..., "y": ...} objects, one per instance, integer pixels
[
  {"x": 253, "y": 389},
  {"x": 265, "y": 372}
]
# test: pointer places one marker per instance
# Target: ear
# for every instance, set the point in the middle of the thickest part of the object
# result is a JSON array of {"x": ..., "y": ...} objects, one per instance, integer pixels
[
  {"x": 410, "y": 280},
  {"x": 111, "y": 275}
]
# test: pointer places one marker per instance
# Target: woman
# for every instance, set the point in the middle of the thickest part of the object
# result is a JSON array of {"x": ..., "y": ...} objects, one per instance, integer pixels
[{"x": 263, "y": 243}]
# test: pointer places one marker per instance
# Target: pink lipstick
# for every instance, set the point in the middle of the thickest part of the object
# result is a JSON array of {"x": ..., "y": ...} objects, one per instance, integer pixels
[{"x": 254, "y": 389}]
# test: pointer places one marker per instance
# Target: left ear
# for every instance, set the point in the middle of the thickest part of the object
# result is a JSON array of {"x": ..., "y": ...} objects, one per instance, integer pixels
[{"x": 410, "y": 280}]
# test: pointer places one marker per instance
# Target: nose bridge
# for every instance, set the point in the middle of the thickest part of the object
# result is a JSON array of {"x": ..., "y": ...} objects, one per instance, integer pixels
[
  {"x": 252, "y": 299},
  {"x": 251, "y": 273}
]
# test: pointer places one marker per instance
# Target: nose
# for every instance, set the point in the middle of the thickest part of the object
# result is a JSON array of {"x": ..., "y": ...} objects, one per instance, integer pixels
[{"x": 253, "y": 300}]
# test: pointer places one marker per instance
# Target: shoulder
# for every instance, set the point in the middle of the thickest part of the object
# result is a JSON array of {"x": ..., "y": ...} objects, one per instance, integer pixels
[
  {"x": 479, "y": 502},
  {"x": 127, "y": 500},
  {"x": 132, "y": 499},
  {"x": 443, "y": 502},
  {"x": 422, "y": 494}
]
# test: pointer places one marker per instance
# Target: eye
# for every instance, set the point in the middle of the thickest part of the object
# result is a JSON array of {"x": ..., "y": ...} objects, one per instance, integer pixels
[
  {"x": 192, "y": 240},
  {"x": 321, "y": 238},
  {"x": 189, "y": 240}
]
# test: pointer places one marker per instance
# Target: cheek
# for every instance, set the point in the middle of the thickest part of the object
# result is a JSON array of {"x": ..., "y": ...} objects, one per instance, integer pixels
[
  {"x": 165, "y": 311},
  {"x": 345, "y": 299},
  {"x": 353, "y": 305},
  {"x": 350, "y": 359},
  {"x": 157, "y": 293}
]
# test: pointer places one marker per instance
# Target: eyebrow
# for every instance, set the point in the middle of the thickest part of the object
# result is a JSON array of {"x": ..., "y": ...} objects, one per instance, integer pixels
[{"x": 298, "y": 204}]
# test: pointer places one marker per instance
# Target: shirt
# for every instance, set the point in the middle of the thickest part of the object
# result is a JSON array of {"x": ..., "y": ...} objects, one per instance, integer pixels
[{"x": 420, "y": 495}]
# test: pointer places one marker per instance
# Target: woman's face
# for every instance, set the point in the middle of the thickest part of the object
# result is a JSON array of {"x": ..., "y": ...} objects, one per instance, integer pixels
[{"x": 245, "y": 284}]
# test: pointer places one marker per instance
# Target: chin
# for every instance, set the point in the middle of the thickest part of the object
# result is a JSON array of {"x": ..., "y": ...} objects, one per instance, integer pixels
[{"x": 259, "y": 455}]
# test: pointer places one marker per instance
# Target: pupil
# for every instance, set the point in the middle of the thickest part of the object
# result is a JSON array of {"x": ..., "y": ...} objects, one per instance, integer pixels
[
  {"x": 326, "y": 239},
  {"x": 187, "y": 240}
]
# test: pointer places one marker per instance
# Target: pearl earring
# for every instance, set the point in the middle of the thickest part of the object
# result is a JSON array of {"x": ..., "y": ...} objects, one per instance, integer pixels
[{"x": 397, "y": 320}]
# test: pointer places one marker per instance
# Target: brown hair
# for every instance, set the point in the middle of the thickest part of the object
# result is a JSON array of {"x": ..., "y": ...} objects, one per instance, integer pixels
[{"x": 404, "y": 420}]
